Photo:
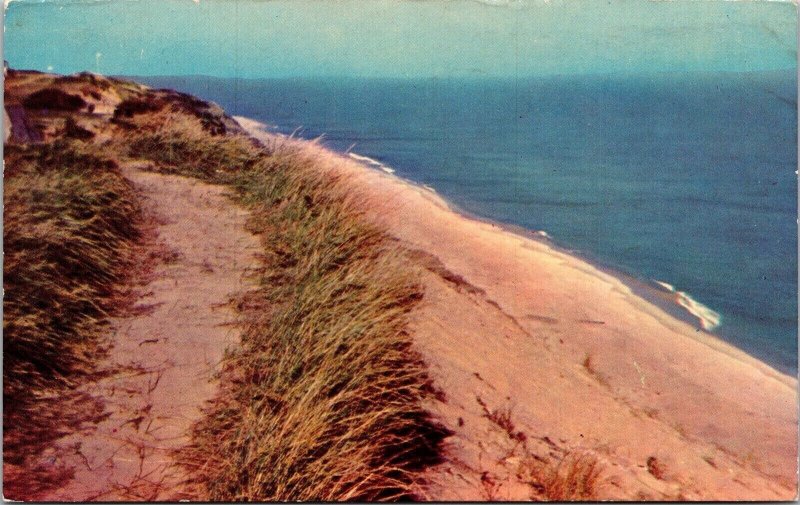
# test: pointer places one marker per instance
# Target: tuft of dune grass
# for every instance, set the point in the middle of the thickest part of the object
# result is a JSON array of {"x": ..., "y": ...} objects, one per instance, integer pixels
[
  {"x": 322, "y": 401},
  {"x": 575, "y": 477},
  {"x": 70, "y": 224}
]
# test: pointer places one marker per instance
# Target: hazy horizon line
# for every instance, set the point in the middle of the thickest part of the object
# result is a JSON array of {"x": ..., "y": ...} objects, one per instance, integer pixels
[{"x": 462, "y": 77}]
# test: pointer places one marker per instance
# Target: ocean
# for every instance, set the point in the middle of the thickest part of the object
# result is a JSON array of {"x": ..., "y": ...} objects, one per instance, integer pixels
[{"x": 684, "y": 181}]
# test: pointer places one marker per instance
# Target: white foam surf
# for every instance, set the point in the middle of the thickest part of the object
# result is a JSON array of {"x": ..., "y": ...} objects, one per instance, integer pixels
[
  {"x": 666, "y": 286},
  {"x": 709, "y": 319},
  {"x": 372, "y": 162},
  {"x": 364, "y": 159}
]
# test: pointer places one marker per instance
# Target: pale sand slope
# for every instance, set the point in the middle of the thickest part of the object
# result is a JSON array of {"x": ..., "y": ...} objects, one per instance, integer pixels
[
  {"x": 511, "y": 321},
  {"x": 165, "y": 354}
]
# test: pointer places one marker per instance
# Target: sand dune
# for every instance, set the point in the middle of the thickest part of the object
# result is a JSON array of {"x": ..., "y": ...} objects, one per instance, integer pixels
[{"x": 575, "y": 362}]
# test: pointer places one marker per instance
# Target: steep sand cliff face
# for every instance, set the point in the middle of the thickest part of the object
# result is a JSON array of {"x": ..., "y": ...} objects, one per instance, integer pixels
[{"x": 541, "y": 357}]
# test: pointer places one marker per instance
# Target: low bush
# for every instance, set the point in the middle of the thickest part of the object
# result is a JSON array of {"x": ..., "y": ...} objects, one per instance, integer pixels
[{"x": 54, "y": 99}]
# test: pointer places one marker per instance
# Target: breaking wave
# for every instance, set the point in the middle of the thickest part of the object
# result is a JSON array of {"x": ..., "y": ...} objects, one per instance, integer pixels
[
  {"x": 372, "y": 162},
  {"x": 709, "y": 319}
]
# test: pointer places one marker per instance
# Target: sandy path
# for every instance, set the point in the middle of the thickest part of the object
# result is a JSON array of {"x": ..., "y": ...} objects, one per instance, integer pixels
[
  {"x": 581, "y": 363},
  {"x": 165, "y": 355}
]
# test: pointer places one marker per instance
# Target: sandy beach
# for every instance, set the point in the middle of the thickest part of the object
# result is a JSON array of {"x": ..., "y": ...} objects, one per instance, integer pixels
[
  {"x": 578, "y": 363},
  {"x": 401, "y": 251}
]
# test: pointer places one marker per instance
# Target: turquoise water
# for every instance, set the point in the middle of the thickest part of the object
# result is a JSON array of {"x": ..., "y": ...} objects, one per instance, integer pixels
[{"x": 688, "y": 179}]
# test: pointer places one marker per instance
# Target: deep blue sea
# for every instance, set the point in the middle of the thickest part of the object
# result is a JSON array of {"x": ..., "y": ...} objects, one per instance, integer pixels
[{"x": 688, "y": 179}]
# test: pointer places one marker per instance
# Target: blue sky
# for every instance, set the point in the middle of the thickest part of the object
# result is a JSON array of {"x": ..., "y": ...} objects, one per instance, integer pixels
[{"x": 398, "y": 38}]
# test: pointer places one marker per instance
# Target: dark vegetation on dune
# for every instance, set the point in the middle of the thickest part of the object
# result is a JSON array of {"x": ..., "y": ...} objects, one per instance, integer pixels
[
  {"x": 211, "y": 120},
  {"x": 54, "y": 99},
  {"x": 96, "y": 81},
  {"x": 133, "y": 106},
  {"x": 323, "y": 398},
  {"x": 72, "y": 130}
]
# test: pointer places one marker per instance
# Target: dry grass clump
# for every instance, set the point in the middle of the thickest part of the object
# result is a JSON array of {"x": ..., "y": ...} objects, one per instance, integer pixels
[
  {"x": 563, "y": 475},
  {"x": 69, "y": 226},
  {"x": 322, "y": 400},
  {"x": 501, "y": 417},
  {"x": 180, "y": 145},
  {"x": 574, "y": 478},
  {"x": 656, "y": 467}
]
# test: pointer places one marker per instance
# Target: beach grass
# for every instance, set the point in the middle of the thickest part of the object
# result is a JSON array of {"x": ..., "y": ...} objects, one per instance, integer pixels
[
  {"x": 323, "y": 399},
  {"x": 70, "y": 229},
  {"x": 575, "y": 477}
]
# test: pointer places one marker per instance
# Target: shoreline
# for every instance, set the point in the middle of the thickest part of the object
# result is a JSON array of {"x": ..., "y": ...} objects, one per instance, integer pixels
[
  {"x": 640, "y": 287},
  {"x": 574, "y": 355},
  {"x": 413, "y": 350}
]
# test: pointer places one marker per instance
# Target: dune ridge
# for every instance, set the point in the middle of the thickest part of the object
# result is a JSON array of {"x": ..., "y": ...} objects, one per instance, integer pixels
[{"x": 577, "y": 358}]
